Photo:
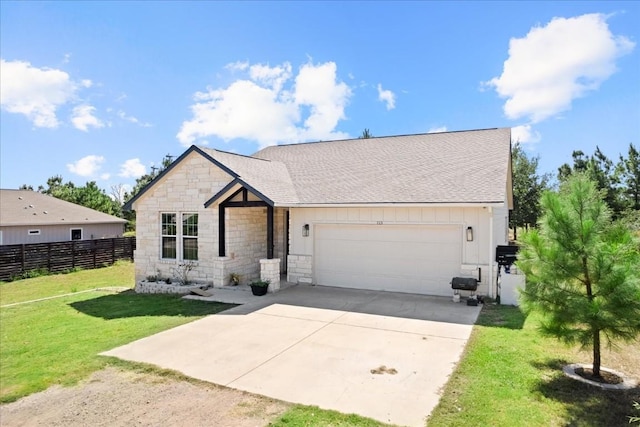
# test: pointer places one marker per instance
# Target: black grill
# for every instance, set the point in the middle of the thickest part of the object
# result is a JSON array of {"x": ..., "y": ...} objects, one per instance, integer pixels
[{"x": 464, "y": 283}]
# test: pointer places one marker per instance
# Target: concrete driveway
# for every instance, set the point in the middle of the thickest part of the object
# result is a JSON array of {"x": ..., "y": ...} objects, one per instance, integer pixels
[{"x": 378, "y": 354}]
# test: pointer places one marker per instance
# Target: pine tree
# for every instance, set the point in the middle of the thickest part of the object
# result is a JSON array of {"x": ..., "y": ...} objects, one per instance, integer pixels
[{"x": 582, "y": 270}]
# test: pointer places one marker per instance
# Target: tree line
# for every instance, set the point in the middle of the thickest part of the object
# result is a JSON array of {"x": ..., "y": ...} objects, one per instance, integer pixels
[
  {"x": 94, "y": 197},
  {"x": 618, "y": 181}
]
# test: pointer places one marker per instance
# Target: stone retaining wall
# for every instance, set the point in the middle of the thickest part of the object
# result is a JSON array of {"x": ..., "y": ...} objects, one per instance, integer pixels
[{"x": 145, "y": 287}]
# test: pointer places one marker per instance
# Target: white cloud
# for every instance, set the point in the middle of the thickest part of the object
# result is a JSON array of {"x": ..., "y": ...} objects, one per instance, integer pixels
[
  {"x": 132, "y": 168},
  {"x": 555, "y": 64},
  {"x": 271, "y": 106},
  {"x": 105, "y": 176},
  {"x": 387, "y": 97},
  {"x": 437, "y": 129},
  {"x": 273, "y": 77},
  {"x": 523, "y": 134},
  {"x": 83, "y": 118},
  {"x": 133, "y": 119},
  {"x": 35, "y": 92},
  {"x": 237, "y": 66},
  {"x": 316, "y": 87},
  {"x": 86, "y": 166}
]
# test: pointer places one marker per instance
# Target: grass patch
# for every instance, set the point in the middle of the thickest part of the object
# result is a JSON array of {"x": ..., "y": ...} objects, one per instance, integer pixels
[
  {"x": 312, "y": 416},
  {"x": 57, "y": 341},
  {"x": 119, "y": 274},
  {"x": 511, "y": 375}
]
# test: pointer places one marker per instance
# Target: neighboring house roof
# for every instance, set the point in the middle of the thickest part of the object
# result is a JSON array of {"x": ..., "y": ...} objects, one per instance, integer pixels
[
  {"x": 26, "y": 207},
  {"x": 450, "y": 167}
]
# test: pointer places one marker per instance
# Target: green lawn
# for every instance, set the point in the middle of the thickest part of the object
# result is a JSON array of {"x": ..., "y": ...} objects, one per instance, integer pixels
[
  {"x": 120, "y": 274},
  {"x": 57, "y": 341},
  {"x": 511, "y": 376},
  {"x": 312, "y": 416}
]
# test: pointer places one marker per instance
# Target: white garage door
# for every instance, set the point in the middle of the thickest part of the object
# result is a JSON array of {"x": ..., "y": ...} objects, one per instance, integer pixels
[{"x": 416, "y": 259}]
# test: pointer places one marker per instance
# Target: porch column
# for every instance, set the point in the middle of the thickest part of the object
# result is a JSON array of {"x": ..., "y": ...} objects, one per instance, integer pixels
[
  {"x": 270, "y": 270},
  {"x": 269, "y": 232}
]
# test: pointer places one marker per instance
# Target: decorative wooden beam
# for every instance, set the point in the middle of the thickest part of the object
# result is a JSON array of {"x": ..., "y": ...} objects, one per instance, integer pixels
[
  {"x": 221, "y": 231},
  {"x": 249, "y": 204}
]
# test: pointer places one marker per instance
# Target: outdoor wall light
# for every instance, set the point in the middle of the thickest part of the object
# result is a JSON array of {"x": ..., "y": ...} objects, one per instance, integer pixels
[
  {"x": 469, "y": 234},
  {"x": 305, "y": 230}
]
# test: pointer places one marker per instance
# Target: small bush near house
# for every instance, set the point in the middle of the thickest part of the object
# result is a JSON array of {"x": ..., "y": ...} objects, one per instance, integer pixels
[{"x": 38, "y": 272}]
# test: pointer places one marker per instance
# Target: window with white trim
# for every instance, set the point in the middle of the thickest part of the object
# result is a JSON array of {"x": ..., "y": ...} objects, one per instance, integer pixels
[
  {"x": 190, "y": 236},
  {"x": 169, "y": 236}
]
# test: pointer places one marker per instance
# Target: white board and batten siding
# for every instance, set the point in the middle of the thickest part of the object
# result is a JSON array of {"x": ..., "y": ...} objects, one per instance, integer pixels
[
  {"x": 414, "y": 250},
  {"x": 407, "y": 258}
]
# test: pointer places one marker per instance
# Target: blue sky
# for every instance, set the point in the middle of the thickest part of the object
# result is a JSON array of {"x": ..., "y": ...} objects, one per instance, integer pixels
[{"x": 104, "y": 90}]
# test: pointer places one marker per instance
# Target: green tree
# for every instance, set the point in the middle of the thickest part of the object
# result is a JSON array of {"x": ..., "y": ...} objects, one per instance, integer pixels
[
  {"x": 579, "y": 165},
  {"x": 582, "y": 270},
  {"x": 628, "y": 171},
  {"x": 90, "y": 195},
  {"x": 601, "y": 170},
  {"x": 528, "y": 186},
  {"x": 365, "y": 134},
  {"x": 94, "y": 197}
]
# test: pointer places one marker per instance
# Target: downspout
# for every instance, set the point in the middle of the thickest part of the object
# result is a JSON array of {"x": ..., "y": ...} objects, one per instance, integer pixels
[{"x": 490, "y": 275}]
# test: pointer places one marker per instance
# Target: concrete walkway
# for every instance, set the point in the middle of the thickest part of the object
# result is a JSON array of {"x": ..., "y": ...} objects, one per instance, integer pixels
[{"x": 378, "y": 354}]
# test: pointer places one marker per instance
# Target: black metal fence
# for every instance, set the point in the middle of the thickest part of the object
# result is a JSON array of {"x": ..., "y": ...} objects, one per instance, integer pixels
[{"x": 55, "y": 257}]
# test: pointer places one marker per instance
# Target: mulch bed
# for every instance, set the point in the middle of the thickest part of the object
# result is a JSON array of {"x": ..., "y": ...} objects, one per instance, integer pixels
[{"x": 604, "y": 378}]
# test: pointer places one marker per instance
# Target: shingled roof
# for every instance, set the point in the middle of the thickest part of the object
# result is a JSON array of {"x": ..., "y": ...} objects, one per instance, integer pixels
[
  {"x": 271, "y": 179},
  {"x": 448, "y": 167},
  {"x": 472, "y": 167},
  {"x": 26, "y": 207}
]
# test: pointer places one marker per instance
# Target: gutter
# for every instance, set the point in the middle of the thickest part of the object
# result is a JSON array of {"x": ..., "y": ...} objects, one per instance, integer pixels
[{"x": 392, "y": 205}]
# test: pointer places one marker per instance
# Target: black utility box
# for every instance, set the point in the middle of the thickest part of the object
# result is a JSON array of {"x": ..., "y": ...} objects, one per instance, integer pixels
[{"x": 506, "y": 255}]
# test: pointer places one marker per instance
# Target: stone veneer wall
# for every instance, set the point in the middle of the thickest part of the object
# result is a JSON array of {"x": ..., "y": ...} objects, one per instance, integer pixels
[
  {"x": 246, "y": 242},
  {"x": 299, "y": 268},
  {"x": 184, "y": 189}
]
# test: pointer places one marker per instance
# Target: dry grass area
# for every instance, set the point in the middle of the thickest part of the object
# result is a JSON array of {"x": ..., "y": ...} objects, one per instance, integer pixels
[{"x": 120, "y": 397}]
